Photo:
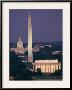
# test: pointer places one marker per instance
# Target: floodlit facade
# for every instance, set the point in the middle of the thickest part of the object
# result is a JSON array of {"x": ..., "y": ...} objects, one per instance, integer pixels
[
  {"x": 47, "y": 66},
  {"x": 20, "y": 49}
]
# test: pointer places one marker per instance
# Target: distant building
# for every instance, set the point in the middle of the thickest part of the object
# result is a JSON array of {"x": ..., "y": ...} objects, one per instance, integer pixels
[
  {"x": 49, "y": 46},
  {"x": 47, "y": 66},
  {"x": 20, "y": 43},
  {"x": 56, "y": 52},
  {"x": 20, "y": 49}
]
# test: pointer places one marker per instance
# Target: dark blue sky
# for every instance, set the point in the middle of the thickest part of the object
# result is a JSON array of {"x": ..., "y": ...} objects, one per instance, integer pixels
[{"x": 46, "y": 24}]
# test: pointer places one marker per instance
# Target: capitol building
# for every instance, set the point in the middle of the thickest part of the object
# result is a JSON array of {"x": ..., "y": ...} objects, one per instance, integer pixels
[
  {"x": 19, "y": 49},
  {"x": 46, "y": 66}
]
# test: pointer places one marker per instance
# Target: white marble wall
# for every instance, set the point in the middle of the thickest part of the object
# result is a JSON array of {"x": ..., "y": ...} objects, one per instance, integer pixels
[{"x": 48, "y": 68}]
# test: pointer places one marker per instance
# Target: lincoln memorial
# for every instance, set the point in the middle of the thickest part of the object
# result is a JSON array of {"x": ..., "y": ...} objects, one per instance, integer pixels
[{"x": 47, "y": 66}]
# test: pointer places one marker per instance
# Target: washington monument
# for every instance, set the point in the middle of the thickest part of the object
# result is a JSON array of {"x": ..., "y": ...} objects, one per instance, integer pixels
[{"x": 30, "y": 55}]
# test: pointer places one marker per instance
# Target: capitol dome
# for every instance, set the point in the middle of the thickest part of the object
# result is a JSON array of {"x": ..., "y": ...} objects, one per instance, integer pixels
[{"x": 19, "y": 43}]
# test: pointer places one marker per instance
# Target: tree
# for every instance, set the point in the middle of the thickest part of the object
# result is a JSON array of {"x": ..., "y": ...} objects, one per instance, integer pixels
[
  {"x": 18, "y": 69},
  {"x": 39, "y": 71},
  {"x": 15, "y": 65}
]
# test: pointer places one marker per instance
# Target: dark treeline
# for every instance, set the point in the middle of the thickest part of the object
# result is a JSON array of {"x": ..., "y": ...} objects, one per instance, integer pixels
[{"x": 19, "y": 70}]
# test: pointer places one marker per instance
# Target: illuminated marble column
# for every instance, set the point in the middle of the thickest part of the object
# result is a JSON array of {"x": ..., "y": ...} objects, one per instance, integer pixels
[
  {"x": 30, "y": 55},
  {"x": 49, "y": 69},
  {"x": 45, "y": 68},
  {"x": 54, "y": 68}
]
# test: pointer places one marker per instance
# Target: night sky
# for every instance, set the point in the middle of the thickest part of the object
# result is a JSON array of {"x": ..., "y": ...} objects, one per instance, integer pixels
[{"x": 46, "y": 24}]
